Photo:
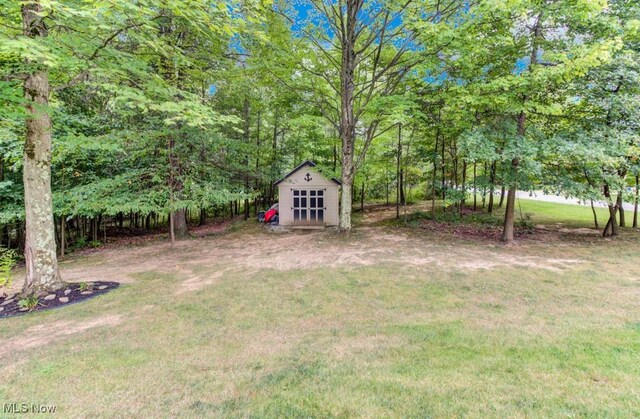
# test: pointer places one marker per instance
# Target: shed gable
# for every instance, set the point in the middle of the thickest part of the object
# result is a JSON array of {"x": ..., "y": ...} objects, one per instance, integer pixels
[{"x": 307, "y": 174}]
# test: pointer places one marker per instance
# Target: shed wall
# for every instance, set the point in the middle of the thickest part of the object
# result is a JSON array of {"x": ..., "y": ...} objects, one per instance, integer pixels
[{"x": 318, "y": 181}]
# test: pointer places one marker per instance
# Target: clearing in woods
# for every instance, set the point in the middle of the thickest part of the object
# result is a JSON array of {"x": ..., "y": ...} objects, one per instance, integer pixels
[{"x": 391, "y": 321}]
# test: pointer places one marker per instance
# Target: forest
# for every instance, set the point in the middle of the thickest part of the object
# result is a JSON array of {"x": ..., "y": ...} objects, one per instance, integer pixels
[{"x": 120, "y": 117}]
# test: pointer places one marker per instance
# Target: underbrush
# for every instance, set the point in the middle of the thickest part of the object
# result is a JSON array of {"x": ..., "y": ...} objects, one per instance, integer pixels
[{"x": 477, "y": 218}]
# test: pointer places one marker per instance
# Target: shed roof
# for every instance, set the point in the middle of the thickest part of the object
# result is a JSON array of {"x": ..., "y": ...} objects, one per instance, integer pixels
[{"x": 307, "y": 163}]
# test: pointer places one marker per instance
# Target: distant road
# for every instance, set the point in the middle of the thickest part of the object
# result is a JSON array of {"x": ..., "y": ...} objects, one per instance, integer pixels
[{"x": 541, "y": 196}]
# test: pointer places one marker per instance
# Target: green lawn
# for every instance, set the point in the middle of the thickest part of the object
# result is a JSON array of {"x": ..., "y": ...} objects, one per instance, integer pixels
[
  {"x": 389, "y": 322},
  {"x": 567, "y": 214}
]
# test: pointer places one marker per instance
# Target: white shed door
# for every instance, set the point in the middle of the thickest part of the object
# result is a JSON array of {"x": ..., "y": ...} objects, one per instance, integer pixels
[{"x": 308, "y": 206}]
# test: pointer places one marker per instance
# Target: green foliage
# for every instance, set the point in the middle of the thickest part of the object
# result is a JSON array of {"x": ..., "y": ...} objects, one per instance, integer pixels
[
  {"x": 85, "y": 286},
  {"x": 80, "y": 243},
  {"x": 7, "y": 262},
  {"x": 196, "y": 107},
  {"x": 29, "y": 303}
]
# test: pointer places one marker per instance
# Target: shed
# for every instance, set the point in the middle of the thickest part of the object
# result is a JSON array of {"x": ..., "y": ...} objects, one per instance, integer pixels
[{"x": 307, "y": 198}]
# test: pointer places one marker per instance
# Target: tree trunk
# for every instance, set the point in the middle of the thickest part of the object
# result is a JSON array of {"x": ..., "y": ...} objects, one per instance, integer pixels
[
  {"x": 274, "y": 160},
  {"x": 180, "y": 224},
  {"x": 635, "y": 203},
  {"x": 464, "y": 187},
  {"x": 502, "y": 193},
  {"x": 492, "y": 179},
  {"x": 345, "y": 204},
  {"x": 347, "y": 117},
  {"x": 257, "y": 185},
  {"x": 484, "y": 187},
  {"x": 475, "y": 189},
  {"x": 41, "y": 260},
  {"x": 40, "y": 246},
  {"x": 399, "y": 191},
  {"x": 620, "y": 205},
  {"x": 435, "y": 172},
  {"x": 443, "y": 170},
  {"x": 172, "y": 230},
  {"x": 611, "y": 229},
  {"x": 507, "y": 232},
  {"x": 595, "y": 215},
  {"x": 63, "y": 227},
  {"x": 246, "y": 138},
  {"x": 403, "y": 188},
  {"x": 386, "y": 186}
]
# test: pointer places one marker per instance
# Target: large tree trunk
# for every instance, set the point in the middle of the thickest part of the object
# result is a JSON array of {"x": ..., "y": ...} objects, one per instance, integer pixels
[
  {"x": 180, "y": 224},
  {"x": 40, "y": 245},
  {"x": 345, "y": 205},
  {"x": 41, "y": 261},
  {"x": 347, "y": 117}
]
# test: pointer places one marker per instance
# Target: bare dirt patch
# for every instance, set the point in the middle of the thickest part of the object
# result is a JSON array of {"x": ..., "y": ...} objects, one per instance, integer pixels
[
  {"x": 203, "y": 262},
  {"x": 46, "y": 333},
  {"x": 371, "y": 246},
  {"x": 198, "y": 282}
]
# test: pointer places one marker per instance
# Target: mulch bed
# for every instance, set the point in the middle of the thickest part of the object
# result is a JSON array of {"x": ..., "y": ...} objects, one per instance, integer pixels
[{"x": 73, "y": 293}]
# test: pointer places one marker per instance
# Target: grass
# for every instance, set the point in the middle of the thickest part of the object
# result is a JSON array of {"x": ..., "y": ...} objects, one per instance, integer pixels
[
  {"x": 567, "y": 214},
  {"x": 386, "y": 323},
  {"x": 536, "y": 212}
]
